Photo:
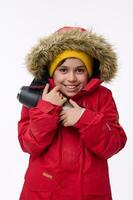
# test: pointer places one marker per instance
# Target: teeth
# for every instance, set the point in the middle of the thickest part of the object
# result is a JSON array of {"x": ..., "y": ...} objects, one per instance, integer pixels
[{"x": 71, "y": 86}]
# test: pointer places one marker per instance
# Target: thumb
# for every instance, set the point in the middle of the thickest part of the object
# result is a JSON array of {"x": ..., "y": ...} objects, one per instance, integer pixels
[
  {"x": 74, "y": 104},
  {"x": 45, "y": 91}
]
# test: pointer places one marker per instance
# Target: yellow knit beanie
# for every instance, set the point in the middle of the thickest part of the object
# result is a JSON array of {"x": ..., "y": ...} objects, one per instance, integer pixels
[{"x": 86, "y": 59}]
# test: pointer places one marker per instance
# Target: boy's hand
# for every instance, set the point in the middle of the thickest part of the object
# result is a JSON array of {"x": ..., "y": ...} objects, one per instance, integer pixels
[
  {"x": 70, "y": 116},
  {"x": 54, "y": 96}
]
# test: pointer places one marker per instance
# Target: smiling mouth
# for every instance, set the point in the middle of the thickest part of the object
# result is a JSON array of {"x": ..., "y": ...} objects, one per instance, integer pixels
[{"x": 71, "y": 87}]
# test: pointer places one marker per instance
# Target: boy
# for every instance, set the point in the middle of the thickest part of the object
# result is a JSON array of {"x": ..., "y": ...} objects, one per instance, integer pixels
[{"x": 74, "y": 129}]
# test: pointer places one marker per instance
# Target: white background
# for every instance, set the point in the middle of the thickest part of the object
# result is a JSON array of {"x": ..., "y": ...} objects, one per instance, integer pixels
[{"x": 21, "y": 24}]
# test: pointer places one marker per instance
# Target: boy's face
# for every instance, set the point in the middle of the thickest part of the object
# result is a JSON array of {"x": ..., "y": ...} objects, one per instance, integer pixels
[{"x": 72, "y": 76}]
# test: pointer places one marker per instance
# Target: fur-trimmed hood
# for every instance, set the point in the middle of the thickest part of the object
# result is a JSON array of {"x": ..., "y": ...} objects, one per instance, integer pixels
[{"x": 40, "y": 56}]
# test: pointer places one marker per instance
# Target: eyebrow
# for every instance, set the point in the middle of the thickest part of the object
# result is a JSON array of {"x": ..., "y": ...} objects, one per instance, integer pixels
[{"x": 80, "y": 66}]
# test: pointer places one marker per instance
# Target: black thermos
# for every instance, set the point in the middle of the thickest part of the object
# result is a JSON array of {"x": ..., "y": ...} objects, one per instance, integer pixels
[{"x": 29, "y": 96}]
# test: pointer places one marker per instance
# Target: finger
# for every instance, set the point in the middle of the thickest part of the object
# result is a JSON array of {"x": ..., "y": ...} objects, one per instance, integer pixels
[
  {"x": 74, "y": 104},
  {"x": 62, "y": 112},
  {"x": 65, "y": 123},
  {"x": 45, "y": 91},
  {"x": 60, "y": 120},
  {"x": 57, "y": 88},
  {"x": 64, "y": 99},
  {"x": 60, "y": 95},
  {"x": 62, "y": 117}
]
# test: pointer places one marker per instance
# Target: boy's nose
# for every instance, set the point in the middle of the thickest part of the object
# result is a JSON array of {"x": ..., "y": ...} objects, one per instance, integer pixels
[{"x": 71, "y": 77}]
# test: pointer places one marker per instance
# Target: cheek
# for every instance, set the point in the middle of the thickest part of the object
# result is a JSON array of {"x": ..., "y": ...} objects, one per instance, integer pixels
[
  {"x": 84, "y": 80},
  {"x": 57, "y": 78},
  {"x": 57, "y": 81}
]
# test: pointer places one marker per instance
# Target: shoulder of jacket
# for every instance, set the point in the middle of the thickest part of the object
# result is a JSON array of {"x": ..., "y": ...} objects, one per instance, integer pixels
[{"x": 104, "y": 89}]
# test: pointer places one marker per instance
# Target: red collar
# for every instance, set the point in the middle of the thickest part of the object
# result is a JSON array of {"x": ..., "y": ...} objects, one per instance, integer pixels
[{"x": 92, "y": 84}]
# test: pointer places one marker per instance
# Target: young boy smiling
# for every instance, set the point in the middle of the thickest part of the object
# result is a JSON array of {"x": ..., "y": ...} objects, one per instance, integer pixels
[{"x": 74, "y": 129}]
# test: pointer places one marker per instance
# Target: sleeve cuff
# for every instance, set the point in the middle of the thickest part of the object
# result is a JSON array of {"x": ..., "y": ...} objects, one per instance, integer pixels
[
  {"x": 85, "y": 119},
  {"x": 48, "y": 107}
]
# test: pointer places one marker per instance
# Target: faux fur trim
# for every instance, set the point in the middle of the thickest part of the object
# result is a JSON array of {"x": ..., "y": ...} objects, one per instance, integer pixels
[{"x": 92, "y": 44}]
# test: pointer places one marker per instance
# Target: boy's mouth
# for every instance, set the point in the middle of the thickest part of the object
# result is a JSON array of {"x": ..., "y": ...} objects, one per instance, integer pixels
[{"x": 71, "y": 88}]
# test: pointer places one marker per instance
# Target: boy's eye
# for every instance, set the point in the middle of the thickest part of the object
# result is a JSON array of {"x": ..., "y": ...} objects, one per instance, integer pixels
[
  {"x": 80, "y": 70},
  {"x": 63, "y": 70}
]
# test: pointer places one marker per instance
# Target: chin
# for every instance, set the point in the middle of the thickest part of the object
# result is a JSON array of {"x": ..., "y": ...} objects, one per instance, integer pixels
[{"x": 70, "y": 94}]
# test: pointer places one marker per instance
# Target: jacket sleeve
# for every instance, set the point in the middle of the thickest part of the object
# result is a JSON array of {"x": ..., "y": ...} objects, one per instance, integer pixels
[
  {"x": 37, "y": 127},
  {"x": 101, "y": 131}
]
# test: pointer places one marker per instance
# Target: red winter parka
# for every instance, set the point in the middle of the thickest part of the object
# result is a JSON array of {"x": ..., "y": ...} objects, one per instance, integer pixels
[{"x": 70, "y": 163}]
